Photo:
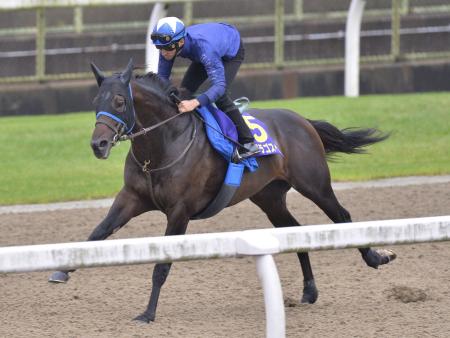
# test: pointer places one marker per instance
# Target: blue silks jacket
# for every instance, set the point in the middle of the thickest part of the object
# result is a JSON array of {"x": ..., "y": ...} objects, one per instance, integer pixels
[{"x": 208, "y": 44}]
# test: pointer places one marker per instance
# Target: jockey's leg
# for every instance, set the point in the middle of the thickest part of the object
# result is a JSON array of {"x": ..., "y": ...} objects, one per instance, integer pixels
[{"x": 245, "y": 136}]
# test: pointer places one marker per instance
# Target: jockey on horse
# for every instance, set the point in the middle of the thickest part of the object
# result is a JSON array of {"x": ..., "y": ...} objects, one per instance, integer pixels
[{"x": 216, "y": 51}]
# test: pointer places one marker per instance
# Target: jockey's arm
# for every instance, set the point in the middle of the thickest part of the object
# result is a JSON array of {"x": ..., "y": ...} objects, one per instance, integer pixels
[
  {"x": 164, "y": 67},
  {"x": 216, "y": 73}
]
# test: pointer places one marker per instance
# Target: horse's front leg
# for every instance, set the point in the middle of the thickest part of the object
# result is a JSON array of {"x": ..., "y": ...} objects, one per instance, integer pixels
[
  {"x": 177, "y": 222},
  {"x": 126, "y": 205}
]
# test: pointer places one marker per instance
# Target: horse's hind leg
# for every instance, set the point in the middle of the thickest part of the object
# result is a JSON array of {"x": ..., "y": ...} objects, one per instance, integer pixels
[
  {"x": 338, "y": 214},
  {"x": 272, "y": 200},
  {"x": 126, "y": 206},
  {"x": 323, "y": 196}
]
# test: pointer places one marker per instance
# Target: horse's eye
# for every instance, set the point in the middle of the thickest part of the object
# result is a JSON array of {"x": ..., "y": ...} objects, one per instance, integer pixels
[{"x": 118, "y": 103}]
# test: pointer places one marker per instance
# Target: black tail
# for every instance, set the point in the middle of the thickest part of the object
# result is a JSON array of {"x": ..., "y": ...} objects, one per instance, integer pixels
[{"x": 348, "y": 140}]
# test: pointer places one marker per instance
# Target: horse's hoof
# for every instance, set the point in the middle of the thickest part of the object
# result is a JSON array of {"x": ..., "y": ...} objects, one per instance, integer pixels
[
  {"x": 387, "y": 255},
  {"x": 145, "y": 318},
  {"x": 310, "y": 293},
  {"x": 59, "y": 277},
  {"x": 375, "y": 258}
]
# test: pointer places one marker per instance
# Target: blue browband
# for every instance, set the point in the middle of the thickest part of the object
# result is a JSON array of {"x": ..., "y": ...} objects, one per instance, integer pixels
[{"x": 117, "y": 119}]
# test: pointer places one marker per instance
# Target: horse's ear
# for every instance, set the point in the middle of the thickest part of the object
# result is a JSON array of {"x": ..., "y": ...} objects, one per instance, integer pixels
[
  {"x": 126, "y": 75},
  {"x": 98, "y": 74}
]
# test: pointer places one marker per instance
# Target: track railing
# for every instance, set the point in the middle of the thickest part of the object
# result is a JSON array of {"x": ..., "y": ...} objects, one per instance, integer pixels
[{"x": 259, "y": 243}]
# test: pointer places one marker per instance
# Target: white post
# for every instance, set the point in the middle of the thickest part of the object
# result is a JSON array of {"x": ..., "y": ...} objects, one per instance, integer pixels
[
  {"x": 262, "y": 246},
  {"x": 352, "y": 37},
  {"x": 151, "y": 53},
  {"x": 273, "y": 296}
]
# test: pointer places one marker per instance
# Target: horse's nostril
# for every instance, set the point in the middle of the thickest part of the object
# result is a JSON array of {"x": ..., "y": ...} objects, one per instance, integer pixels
[{"x": 103, "y": 144}]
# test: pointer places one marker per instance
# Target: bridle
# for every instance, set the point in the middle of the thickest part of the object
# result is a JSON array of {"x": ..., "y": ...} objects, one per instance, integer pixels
[
  {"x": 123, "y": 133},
  {"x": 118, "y": 129},
  {"x": 122, "y": 127}
]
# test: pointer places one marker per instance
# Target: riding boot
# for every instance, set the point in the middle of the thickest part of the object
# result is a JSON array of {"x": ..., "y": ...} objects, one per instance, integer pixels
[
  {"x": 244, "y": 133},
  {"x": 245, "y": 136}
]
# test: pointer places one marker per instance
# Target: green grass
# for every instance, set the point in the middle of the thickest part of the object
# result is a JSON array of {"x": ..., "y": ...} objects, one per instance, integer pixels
[
  {"x": 48, "y": 158},
  {"x": 419, "y": 123}
]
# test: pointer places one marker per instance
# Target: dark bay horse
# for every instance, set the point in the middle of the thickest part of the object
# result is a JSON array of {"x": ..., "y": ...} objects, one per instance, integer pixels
[{"x": 171, "y": 166}]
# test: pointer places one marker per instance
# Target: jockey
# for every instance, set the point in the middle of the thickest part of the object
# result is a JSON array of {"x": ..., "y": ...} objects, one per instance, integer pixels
[{"x": 216, "y": 51}]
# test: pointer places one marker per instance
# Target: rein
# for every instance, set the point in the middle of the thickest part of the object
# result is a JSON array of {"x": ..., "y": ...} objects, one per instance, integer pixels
[
  {"x": 145, "y": 166},
  {"x": 144, "y": 131}
]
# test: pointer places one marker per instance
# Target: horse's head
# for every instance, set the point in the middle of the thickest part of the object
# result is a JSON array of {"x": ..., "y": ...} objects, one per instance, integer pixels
[{"x": 114, "y": 110}]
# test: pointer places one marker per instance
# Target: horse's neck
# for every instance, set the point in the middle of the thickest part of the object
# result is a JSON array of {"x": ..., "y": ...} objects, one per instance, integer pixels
[{"x": 165, "y": 140}]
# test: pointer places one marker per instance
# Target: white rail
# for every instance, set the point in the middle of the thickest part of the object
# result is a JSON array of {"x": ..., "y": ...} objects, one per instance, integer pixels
[
  {"x": 220, "y": 245},
  {"x": 260, "y": 243}
]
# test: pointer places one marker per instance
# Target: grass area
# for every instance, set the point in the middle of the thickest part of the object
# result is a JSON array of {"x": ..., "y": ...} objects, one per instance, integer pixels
[
  {"x": 419, "y": 126},
  {"x": 48, "y": 158}
]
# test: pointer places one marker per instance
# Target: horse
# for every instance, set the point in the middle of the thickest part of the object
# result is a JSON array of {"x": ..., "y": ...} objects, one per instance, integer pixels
[{"x": 171, "y": 166}]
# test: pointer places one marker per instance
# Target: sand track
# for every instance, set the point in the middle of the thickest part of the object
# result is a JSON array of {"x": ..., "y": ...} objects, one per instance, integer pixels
[{"x": 222, "y": 298}]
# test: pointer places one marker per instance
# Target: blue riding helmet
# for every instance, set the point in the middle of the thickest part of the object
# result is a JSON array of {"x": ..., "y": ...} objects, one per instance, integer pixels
[{"x": 168, "y": 31}]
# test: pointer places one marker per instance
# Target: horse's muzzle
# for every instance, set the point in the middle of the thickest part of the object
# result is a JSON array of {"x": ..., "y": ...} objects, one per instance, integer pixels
[{"x": 101, "y": 147}]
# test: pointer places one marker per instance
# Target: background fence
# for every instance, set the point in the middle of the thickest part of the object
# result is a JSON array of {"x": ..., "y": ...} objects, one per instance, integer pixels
[{"x": 57, "y": 41}]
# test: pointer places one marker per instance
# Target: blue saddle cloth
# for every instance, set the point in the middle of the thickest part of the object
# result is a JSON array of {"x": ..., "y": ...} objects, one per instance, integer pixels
[
  {"x": 223, "y": 146},
  {"x": 217, "y": 120}
]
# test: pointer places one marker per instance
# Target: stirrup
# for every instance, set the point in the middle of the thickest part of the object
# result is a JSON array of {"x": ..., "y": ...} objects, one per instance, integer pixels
[
  {"x": 235, "y": 157},
  {"x": 238, "y": 157},
  {"x": 242, "y": 103}
]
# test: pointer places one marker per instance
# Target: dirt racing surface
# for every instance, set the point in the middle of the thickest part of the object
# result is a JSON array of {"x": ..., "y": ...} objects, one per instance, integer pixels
[{"x": 222, "y": 298}]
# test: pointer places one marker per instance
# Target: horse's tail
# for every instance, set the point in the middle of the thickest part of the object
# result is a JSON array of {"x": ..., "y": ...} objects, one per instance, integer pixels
[{"x": 348, "y": 140}]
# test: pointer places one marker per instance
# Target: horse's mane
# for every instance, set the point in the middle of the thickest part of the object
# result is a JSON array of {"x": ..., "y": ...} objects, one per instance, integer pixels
[{"x": 157, "y": 85}]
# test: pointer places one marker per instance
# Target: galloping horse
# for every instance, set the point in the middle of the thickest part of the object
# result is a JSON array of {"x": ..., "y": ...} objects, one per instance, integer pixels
[{"x": 171, "y": 166}]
